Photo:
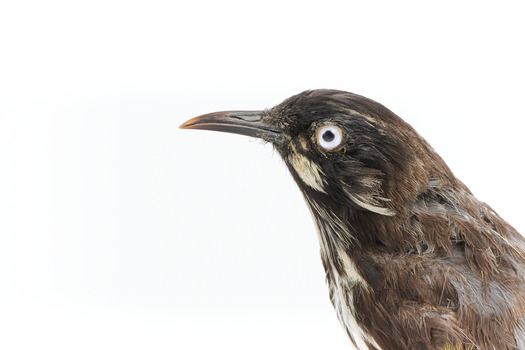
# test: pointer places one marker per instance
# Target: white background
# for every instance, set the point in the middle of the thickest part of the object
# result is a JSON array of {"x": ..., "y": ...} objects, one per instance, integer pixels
[{"x": 120, "y": 231}]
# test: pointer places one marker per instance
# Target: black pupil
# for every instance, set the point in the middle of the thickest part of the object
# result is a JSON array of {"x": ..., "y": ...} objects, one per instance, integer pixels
[{"x": 328, "y": 136}]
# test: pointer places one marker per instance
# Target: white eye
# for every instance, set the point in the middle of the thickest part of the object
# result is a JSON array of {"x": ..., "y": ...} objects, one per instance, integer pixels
[{"x": 329, "y": 136}]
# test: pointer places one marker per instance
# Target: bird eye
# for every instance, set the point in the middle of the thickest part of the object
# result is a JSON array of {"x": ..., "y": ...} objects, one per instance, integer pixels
[{"x": 329, "y": 136}]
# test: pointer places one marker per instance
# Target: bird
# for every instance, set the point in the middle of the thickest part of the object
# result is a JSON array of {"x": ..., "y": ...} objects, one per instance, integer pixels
[{"x": 413, "y": 260}]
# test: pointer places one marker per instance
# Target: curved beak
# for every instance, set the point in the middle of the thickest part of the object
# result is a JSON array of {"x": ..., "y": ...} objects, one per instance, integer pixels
[{"x": 237, "y": 122}]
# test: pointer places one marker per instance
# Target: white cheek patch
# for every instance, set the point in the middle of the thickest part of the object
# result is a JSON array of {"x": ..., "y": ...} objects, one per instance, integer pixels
[{"x": 308, "y": 171}]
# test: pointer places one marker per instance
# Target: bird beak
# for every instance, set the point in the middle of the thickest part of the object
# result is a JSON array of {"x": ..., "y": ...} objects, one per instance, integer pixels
[{"x": 237, "y": 122}]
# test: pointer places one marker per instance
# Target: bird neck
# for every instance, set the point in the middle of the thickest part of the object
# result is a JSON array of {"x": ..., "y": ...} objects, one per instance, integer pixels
[
  {"x": 347, "y": 228},
  {"x": 340, "y": 241},
  {"x": 349, "y": 238}
]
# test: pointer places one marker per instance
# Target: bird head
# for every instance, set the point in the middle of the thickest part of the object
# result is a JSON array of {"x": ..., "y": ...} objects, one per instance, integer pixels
[{"x": 346, "y": 152}]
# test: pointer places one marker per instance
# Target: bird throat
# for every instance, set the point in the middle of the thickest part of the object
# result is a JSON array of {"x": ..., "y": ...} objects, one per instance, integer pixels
[{"x": 342, "y": 276}]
